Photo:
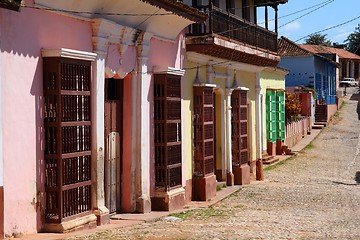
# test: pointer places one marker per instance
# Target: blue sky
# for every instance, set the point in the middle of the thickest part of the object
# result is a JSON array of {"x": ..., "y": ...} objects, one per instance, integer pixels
[{"x": 334, "y": 13}]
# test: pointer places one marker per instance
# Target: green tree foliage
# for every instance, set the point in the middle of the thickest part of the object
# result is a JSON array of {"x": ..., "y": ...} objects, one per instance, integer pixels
[
  {"x": 292, "y": 106},
  {"x": 318, "y": 39},
  {"x": 353, "y": 41}
]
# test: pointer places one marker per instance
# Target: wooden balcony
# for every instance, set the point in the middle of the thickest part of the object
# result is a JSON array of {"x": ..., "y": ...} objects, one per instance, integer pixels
[
  {"x": 224, "y": 32},
  {"x": 235, "y": 28}
]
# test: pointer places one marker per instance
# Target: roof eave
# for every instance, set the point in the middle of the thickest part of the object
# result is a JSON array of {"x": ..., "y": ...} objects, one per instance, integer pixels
[{"x": 180, "y": 9}]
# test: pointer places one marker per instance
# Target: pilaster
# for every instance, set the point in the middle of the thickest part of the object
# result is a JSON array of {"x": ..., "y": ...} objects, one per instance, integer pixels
[
  {"x": 259, "y": 117},
  {"x": 259, "y": 171},
  {"x": 228, "y": 142},
  {"x": 210, "y": 72},
  {"x": 100, "y": 44},
  {"x": 1, "y": 157},
  {"x": 143, "y": 123}
]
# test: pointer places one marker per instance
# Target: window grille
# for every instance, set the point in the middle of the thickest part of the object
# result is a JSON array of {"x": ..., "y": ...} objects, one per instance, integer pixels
[
  {"x": 67, "y": 111},
  {"x": 239, "y": 123},
  {"x": 203, "y": 131},
  {"x": 167, "y": 131}
]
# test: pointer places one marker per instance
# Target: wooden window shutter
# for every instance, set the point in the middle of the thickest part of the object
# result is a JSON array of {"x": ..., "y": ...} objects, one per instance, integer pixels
[
  {"x": 67, "y": 124},
  {"x": 239, "y": 125},
  {"x": 203, "y": 131},
  {"x": 167, "y": 123}
]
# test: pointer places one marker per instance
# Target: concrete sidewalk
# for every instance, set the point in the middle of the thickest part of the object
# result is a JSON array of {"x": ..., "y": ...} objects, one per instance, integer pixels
[
  {"x": 131, "y": 219},
  {"x": 127, "y": 219},
  {"x": 306, "y": 140}
]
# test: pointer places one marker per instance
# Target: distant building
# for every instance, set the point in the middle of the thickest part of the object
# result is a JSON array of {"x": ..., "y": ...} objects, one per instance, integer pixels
[
  {"x": 310, "y": 69},
  {"x": 350, "y": 62}
]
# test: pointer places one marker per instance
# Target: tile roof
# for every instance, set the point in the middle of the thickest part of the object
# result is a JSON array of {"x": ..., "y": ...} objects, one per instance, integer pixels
[
  {"x": 342, "y": 53},
  {"x": 288, "y": 48}
]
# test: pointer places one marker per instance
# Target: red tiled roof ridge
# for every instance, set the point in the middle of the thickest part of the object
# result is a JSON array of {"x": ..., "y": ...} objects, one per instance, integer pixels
[
  {"x": 342, "y": 53},
  {"x": 286, "y": 47}
]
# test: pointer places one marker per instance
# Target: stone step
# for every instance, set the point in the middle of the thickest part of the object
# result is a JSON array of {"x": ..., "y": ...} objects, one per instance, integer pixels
[
  {"x": 269, "y": 160},
  {"x": 286, "y": 150},
  {"x": 323, "y": 123},
  {"x": 317, "y": 126}
]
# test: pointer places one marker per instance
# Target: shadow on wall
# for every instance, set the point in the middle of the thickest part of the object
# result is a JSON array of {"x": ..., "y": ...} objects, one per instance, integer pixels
[
  {"x": 356, "y": 97},
  {"x": 357, "y": 177}
]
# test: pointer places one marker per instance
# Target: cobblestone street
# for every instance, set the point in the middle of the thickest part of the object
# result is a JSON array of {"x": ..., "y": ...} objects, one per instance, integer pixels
[{"x": 314, "y": 195}]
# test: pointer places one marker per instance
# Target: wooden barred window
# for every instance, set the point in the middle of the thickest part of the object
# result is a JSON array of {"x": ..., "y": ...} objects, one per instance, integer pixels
[
  {"x": 203, "y": 131},
  {"x": 67, "y": 126},
  {"x": 167, "y": 123},
  {"x": 239, "y": 124}
]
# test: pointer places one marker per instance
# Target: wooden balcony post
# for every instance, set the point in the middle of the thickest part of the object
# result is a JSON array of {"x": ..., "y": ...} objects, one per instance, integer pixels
[
  {"x": 266, "y": 18},
  {"x": 211, "y": 30},
  {"x": 276, "y": 18}
]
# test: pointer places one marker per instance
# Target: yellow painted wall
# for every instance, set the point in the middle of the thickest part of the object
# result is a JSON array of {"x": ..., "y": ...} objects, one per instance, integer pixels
[
  {"x": 187, "y": 121},
  {"x": 220, "y": 118},
  {"x": 247, "y": 79},
  {"x": 274, "y": 79},
  {"x": 268, "y": 79}
]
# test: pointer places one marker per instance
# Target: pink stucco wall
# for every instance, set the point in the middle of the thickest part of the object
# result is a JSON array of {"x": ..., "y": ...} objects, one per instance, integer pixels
[
  {"x": 120, "y": 65},
  {"x": 23, "y": 35},
  {"x": 162, "y": 54}
]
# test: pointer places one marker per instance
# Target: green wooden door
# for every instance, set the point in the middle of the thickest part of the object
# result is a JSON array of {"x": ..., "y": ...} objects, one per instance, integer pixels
[
  {"x": 280, "y": 100},
  {"x": 271, "y": 116}
]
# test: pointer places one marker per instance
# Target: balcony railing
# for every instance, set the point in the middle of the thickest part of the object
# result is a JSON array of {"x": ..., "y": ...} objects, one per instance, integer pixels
[{"x": 233, "y": 27}]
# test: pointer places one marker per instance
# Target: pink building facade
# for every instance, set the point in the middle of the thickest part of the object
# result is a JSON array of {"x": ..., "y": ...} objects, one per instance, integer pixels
[{"x": 77, "y": 136}]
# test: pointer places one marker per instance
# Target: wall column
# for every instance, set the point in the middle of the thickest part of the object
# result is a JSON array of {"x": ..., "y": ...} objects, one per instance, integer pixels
[
  {"x": 98, "y": 128},
  {"x": 228, "y": 142},
  {"x": 210, "y": 72},
  {"x": 259, "y": 117},
  {"x": 259, "y": 127},
  {"x": 141, "y": 156},
  {"x": 104, "y": 32},
  {"x": 1, "y": 158}
]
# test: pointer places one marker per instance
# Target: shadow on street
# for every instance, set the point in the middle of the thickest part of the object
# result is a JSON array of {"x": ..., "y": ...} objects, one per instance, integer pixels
[
  {"x": 357, "y": 177},
  {"x": 356, "y": 97}
]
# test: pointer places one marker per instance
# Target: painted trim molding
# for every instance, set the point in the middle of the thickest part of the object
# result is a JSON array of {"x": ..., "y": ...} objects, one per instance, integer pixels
[
  {"x": 168, "y": 70},
  {"x": 69, "y": 53},
  {"x": 204, "y": 85},
  {"x": 218, "y": 62}
]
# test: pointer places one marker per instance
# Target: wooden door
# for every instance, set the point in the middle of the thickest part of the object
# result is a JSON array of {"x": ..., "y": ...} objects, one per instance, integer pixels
[{"x": 113, "y": 143}]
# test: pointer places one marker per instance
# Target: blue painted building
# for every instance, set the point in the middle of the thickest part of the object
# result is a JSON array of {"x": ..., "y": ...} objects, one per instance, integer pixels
[{"x": 309, "y": 69}]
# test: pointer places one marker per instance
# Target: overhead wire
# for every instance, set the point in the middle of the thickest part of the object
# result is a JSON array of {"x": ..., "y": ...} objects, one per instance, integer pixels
[
  {"x": 115, "y": 14},
  {"x": 307, "y": 13},
  {"x": 149, "y": 15},
  {"x": 323, "y": 4},
  {"x": 140, "y": 14},
  {"x": 329, "y": 28}
]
